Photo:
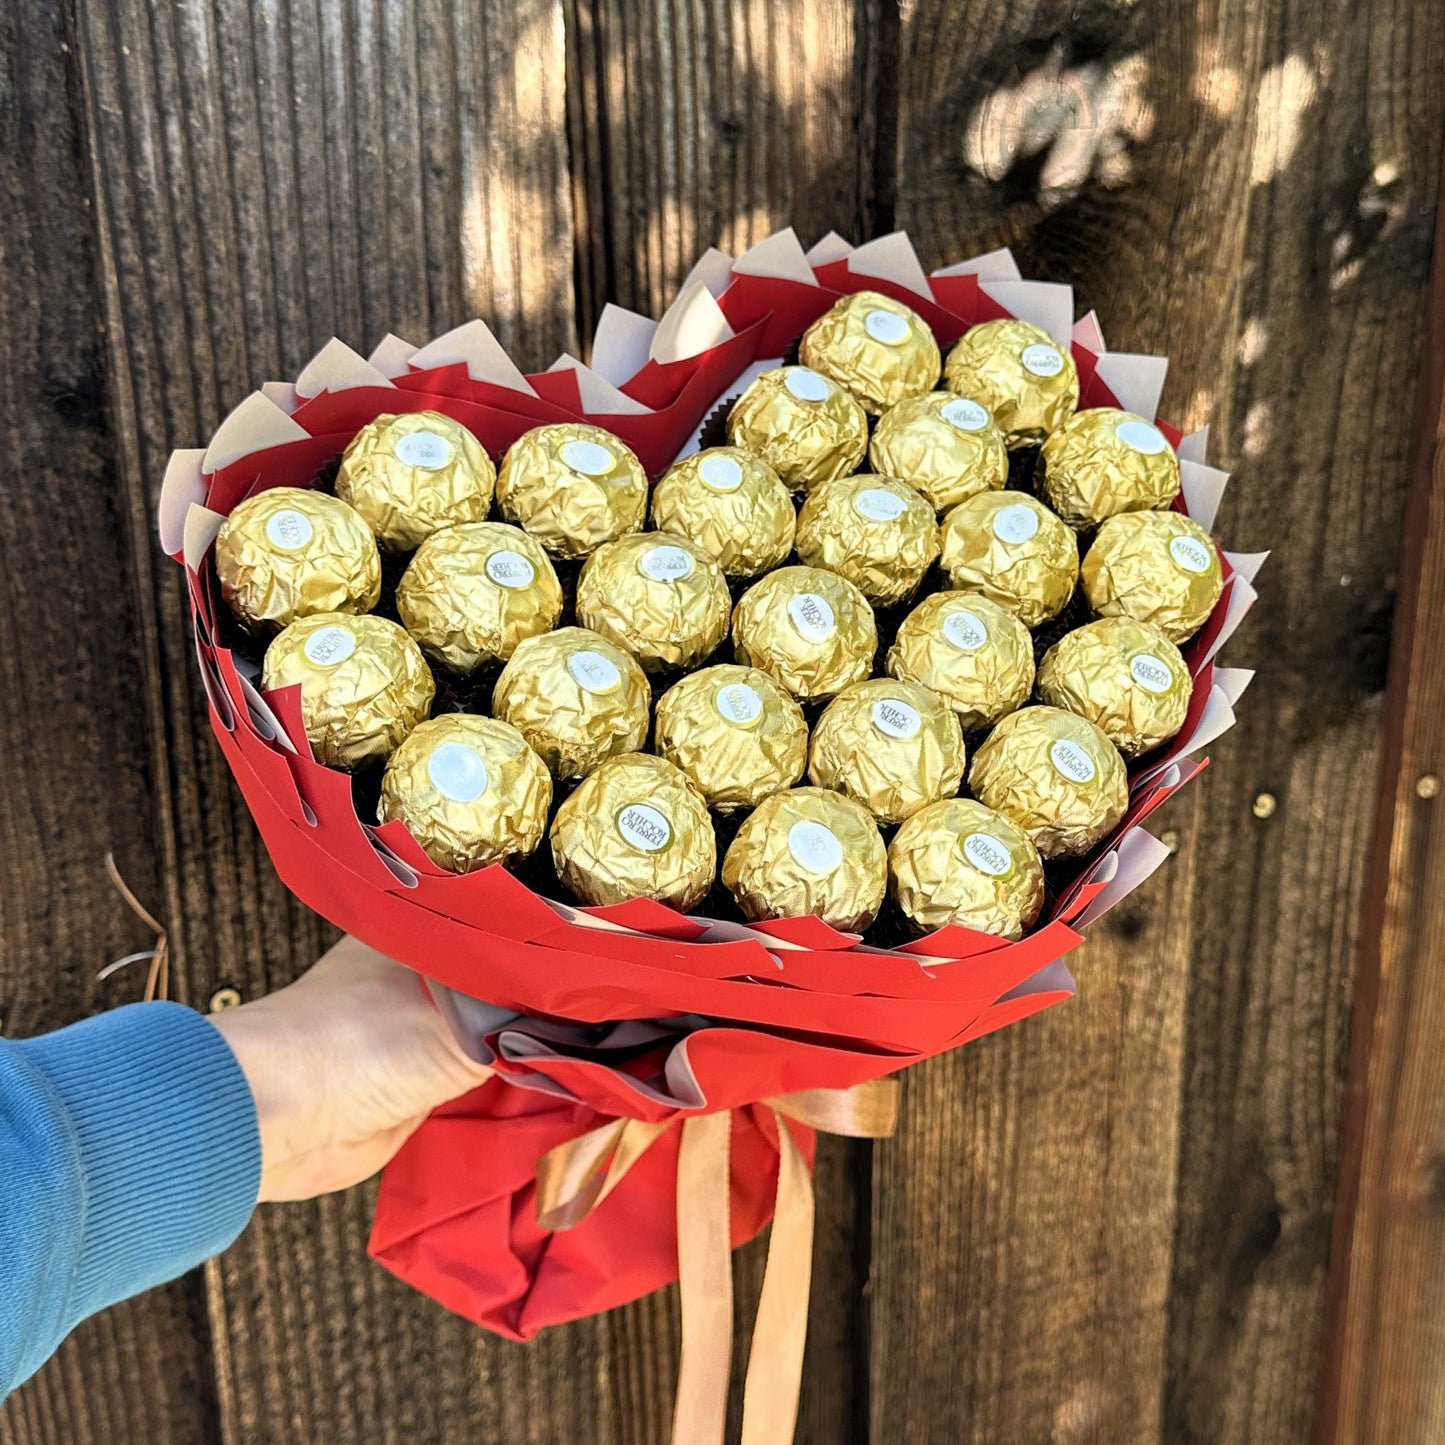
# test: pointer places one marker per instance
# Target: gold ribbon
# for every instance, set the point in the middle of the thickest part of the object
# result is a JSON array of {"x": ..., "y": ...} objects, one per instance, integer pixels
[
  {"x": 158, "y": 980},
  {"x": 575, "y": 1177}
]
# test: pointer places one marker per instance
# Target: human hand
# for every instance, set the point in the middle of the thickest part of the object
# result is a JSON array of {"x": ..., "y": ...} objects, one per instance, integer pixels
[{"x": 344, "y": 1064}]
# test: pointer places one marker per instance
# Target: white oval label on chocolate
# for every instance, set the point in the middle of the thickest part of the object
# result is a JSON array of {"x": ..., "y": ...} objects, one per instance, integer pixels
[
  {"x": 895, "y": 718},
  {"x": 1150, "y": 673},
  {"x": 1190, "y": 554},
  {"x": 510, "y": 569},
  {"x": 721, "y": 473},
  {"x": 594, "y": 673},
  {"x": 738, "y": 704},
  {"x": 288, "y": 529},
  {"x": 424, "y": 449},
  {"x": 812, "y": 616},
  {"x": 879, "y": 505},
  {"x": 457, "y": 773},
  {"x": 1015, "y": 523},
  {"x": 965, "y": 630},
  {"x": 666, "y": 564},
  {"x": 1042, "y": 360},
  {"x": 329, "y": 645},
  {"x": 886, "y": 326},
  {"x": 1141, "y": 436},
  {"x": 966, "y": 415},
  {"x": 592, "y": 459},
  {"x": 644, "y": 827},
  {"x": 986, "y": 854},
  {"x": 807, "y": 385},
  {"x": 815, "y": 847},
  {"x": 1072, "y": 761}
]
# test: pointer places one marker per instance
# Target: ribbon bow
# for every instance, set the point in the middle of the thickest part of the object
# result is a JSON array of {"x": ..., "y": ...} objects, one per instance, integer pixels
[{"x": 575, "y": 1177}]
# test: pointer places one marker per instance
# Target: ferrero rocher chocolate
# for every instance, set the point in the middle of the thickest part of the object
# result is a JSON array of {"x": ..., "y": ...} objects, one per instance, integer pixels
[
  {"x": 879, "y": 534},
  {"x": 945, "y": 446},
  {"x": 576, "y": 698},
  {"x": 473, "y": 592},
  {"x": 1020, "y": 373},
  {"x": 364, "y": 684},
  {"x": 734, "y": 732},
  {"x": 876, "y": 347},
  {"x": 959, "y": 862},
  {"x": 469, "y": 790},
  {"x": 731, "y": 504},
  {"x": 413, "y": 474},
  {"x": 1013, "y": 550},
  {"x": 1159, "y": 567},
  {"x": 1055, "y": 775},
  {"x": 892, "y": 746},
  {"x": 1104, "y": 461},
  {"x": 635, "y": 828},
  {"x": 659, "y": 596},
  {"x": 289, "y": 552},
  {"x": 811, "y": 630},
  {"x": 977, "y": 656},
  {"x": 573, "y": 487},
  {"x": 808, "y": 852},
  {"x": 1126, "y": 677},
  {"x": 804, "y": 426}
]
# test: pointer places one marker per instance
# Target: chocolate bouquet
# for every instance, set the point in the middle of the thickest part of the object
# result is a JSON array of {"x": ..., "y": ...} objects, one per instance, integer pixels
[{"x": 719, "y": 728}]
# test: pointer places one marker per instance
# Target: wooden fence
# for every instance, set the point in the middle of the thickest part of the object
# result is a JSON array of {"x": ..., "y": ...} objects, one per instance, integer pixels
[{"x": 1113, "y": 1222}]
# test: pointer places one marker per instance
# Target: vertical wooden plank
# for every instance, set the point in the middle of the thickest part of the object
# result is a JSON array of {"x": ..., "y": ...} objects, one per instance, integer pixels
[{"x": 1113, "y": 1221}]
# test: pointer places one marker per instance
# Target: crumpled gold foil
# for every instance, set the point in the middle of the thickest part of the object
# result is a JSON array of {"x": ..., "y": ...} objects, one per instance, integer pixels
[
  {"x": 1104, "y": 461},
  {"x": 809, "y": 852},
  {"x": 804, "y": 426},
  {"x": 288, "y": 552},
  {"x": 469, "y": 790},
  {"x": 892, "y": 746},
  {"x": 734, "y": 732},
  {"x": 474, "y": 591},
  {"x": 945, "y": 446},
  {"x": 876, "y": 347},
  {"x": 809, "y": 629},
  {"x": 1159, "y": 567},
  {"x": 959, "y": 862},
  {"x": 1126, "y": 677},
  {"x": 635, "y": 828},
  {"x": 977, "y": 656},
  {"x": 879, "y": 534},
  {"x": 1020, "y": 373},
  {"x": 412, "y": 474},
  {"x": 1055, "y": 775},
  {"x": 1013, "y": 550},
  {"x": 573, "y": 487},
  {"x": 659, "y": 596},
  {"x": 576, "y": 698},
  {"x": 364, "y": 684},
  {"x": 731, "y": 504}
]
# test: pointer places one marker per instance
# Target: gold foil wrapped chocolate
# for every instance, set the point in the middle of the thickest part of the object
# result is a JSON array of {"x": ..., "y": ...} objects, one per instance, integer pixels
[
  {"x": 734, "y": 732},
  {"x": 977, "y": 656},
  {"x": 809, "y": 852},
  {"x": 573, "y": 487},
  {"x": 804, "y": 426},
  {"x": 1014, "y": 551},
  {"x": 470, "y": 791},
  {"x": 946, "y": 447},
  {"x": 731, "y": 504},
  {"x": 473, "y": 592},
  {"x": 809, "y": 629},
  {"x": 1126, "y": 677},
  {"x": 576, "y": 698},
  {"x": 1157, "y": 567},
  {"x": 879, "y": 349},
  {"x": 659, "y": 596},
  {"x": 879, "y": 534},
  {"x": 1020, "y": 373},
  {"x": 1055, "y": 775},
  {"x": 364, "y": 684},
  {"x": 957, "y": 861},
  {"x": 1104, "y": 461},
  {"x": 288, "y": 553},
  {"x": 412, "y": 474},
  {"x": 635, "y": 828},
  {"x": 892, "y": 746}
]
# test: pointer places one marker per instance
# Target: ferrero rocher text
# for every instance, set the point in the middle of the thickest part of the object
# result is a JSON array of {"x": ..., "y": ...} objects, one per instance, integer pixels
[
  {"x": 1020, "y": 373},
  {"x": 1157, "y": 567}
]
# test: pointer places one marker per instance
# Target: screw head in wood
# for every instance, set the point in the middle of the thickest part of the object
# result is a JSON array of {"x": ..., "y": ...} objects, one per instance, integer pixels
[
  {"x": 1170, "y": 839},
  {"x": 1264, "y": 805},
  {"x": 1427, "y": 785},
  {"x": 224, "y": 998}
]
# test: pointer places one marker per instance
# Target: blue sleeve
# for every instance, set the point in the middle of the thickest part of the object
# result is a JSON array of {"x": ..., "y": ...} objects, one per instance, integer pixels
[{"x": 129, "y": 1152}]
